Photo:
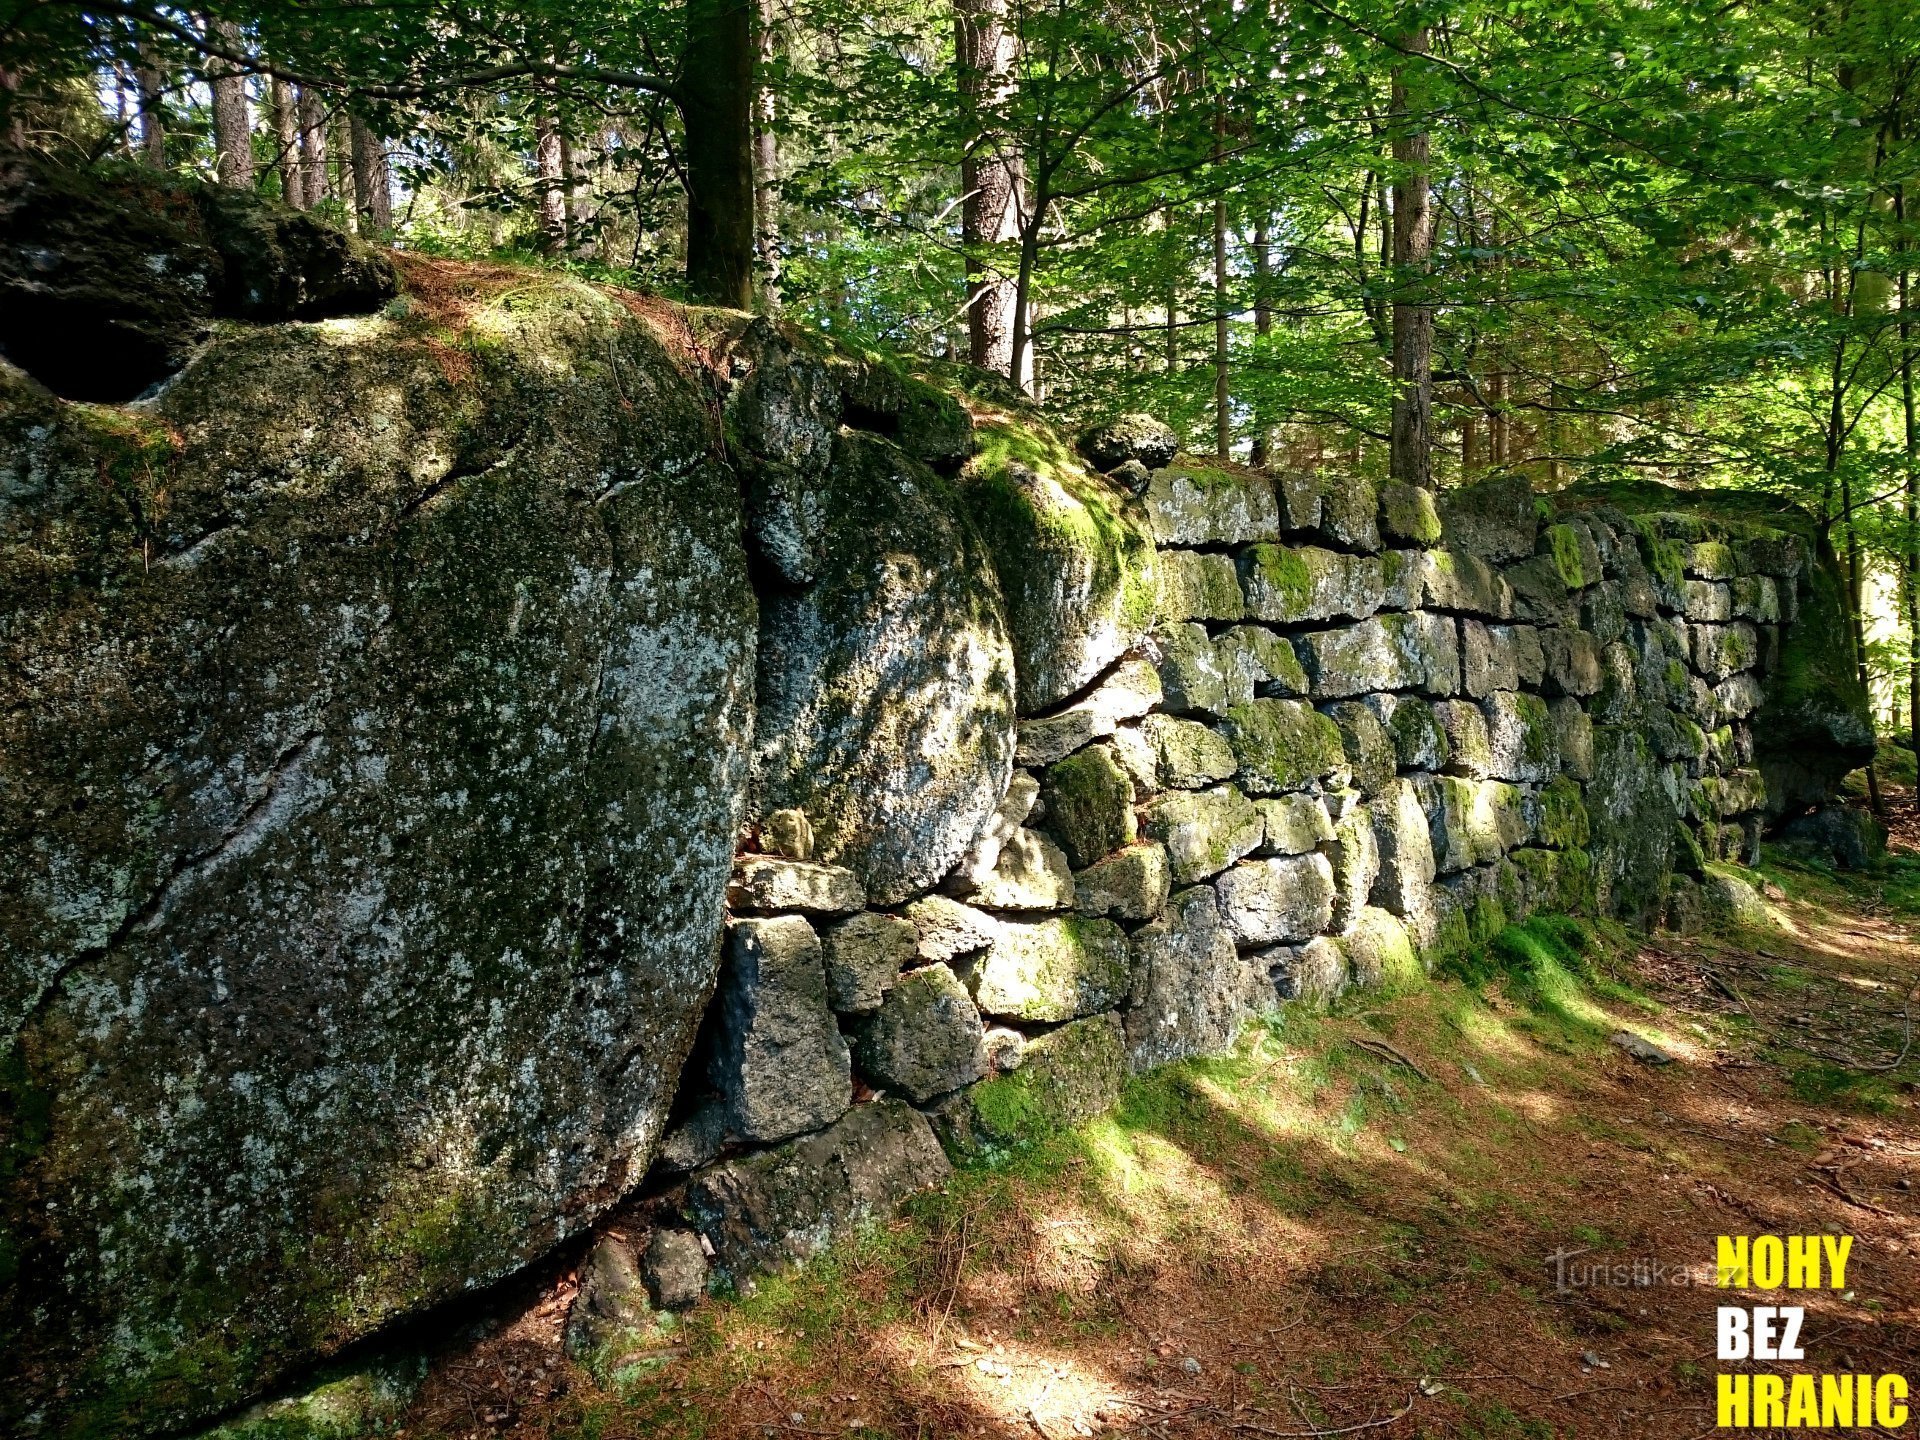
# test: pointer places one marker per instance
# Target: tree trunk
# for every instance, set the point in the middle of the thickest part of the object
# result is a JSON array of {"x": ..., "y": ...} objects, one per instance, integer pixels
[
  {"x": 286, "y": 143},
  {"x": 766, "y": 163},
  {"x": 549, "y": 184},
  {"x": 716, "y": 102},
  {"x": 152, "y": 84},
  {"x": 372, "y": 191},
  {"x": 1412, "y": 455},
  {"x": 1222, "y": 392},
  {"x": 1912, "y": 443},
  {"x": 313, "y": 148},
  {"x": 992, "y": 180},
  {"x": 232, "y": 124},
  {"x": 1262, "y": 327}
]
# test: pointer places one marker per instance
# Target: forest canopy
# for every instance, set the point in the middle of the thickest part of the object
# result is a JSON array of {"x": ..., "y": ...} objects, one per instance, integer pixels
[{"x": 1584, "y": 240}]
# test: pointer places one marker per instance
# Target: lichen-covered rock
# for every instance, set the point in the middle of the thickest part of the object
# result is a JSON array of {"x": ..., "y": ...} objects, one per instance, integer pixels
[
  {"x": 1281, "y": 745},
  {"x": 1369, "y": 749},
  {"x": 1191, "y": 676},
  {"x": 1052, "y": 970},
  {"x": 948, "y": 930},
  {"x": 1065, "y": 1076},
  {"x": 370, "y": 764},
  {"x": 1404, "y": 844},
  {"x": 1199, "y": 504},
  {"x": 770, "y": 884},
  {"x": 1295, "y": 824},
  {"x": 905, "y": 604},
  {"x": 611, "y": 1298},
  {"x": 926, "y": 1039},
  {"x": 1633, "y": 815},
  {"x": 1474, "y": 822},
  {"x": 1089, "y": 800},
  {"x": 771, "y": 1210},
  {"x": 1408, "y": 515},
  {"x": 1379, "y": 949},
  {"x": 1257, "y": 662},
  {"x": 1032, "y": 874},
  {"x": 1417, "y": 650},
  {"x": 1573, "y": 665},
  {"x": 1732, "y": 903},
  {"x": 1838, "y": 835},
  {"x": 1488, "y": 659},
  {"x": 1129, "y": 690},
  {"x": 1494, "y": 519},
  {"x": 1468, "y": 748},
  {"x": 778, "y": 1060},
  {"x": 984, "y": 853},
  {"x": 1355, "y": 857},
  {"x": 1187, "y": 755},
  {"x": 1523, "y": 742},
  {"x": 1075, "y": 564},
  {"x": 1313, "y": 974},
  {"x": 1204, "y": 831},
  {"x": 1198, "y": 585},
  {"x": 1140, "y": 438},
  {"x": 675, "y": 1269},
  {"x": 1191, "y": 990},
  {"x": 1419, "y": 739},
  {"x": 1453, "y": 580},
  {"x": 1288, "y": 898},
  {"x": 1289, "y": 584},
  {"x": 863, "y": 957},
  {"x": 1131, "y": 884}
]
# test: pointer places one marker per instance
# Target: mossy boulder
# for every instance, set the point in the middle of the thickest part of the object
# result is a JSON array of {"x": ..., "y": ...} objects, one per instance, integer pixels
[
  {"x": 375, "y": 705},
  {"x": 1089, "y": 800},
  {"x": 1074, "y": 562},
  {"x": 1065, "y": 1076},
  {"x": 904, "y": 605},
  {"x": 110, "y": 275}
]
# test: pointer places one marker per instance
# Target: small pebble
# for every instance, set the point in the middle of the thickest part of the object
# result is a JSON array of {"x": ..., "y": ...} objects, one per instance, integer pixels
[{"x": 1190, "y": 1366}]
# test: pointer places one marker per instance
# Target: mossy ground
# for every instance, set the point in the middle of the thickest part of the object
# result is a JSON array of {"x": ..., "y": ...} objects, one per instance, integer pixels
[{"x": 1334, "y": 1235}]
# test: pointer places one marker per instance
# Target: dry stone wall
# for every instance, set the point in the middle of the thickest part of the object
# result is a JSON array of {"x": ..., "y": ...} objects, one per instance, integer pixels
[{"x": 1361, "y": 729}]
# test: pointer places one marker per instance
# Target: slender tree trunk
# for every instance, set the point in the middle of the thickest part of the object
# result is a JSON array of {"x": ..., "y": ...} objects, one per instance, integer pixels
[
  {"x": 1911, "y": 435},
  {"x": 992, "y": 181},
  {"x": 766, "y": 162},
  {"x": 1412, "y": 455},
  {"x": 286, "y": 143},
  {"x": 340, "y": 163},
  {"x": 232, "y": 123},
  {"x": 1469, "y": 445},
  {"x": 152, "y": 84},
  {"x": 372, "y": 187},
  {"x": 550, "y": 183},
  {"x": 1222, "y": 379},
  {"x": 313, "y": 148},
  {"x": 15, "y": 135},
  {"x": 1498, "y": 438},
  {"x": 1262, "y": 327},
  {"x": 716, "y": 101},
  {"x": 1172, "y": 342}
]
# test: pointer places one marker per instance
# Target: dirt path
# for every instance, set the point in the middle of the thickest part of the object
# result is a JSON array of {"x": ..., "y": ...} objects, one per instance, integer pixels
[{"x": 1350, "y": 1227}]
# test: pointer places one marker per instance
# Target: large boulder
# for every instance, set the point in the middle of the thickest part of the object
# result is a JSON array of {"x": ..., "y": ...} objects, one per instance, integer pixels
[
  {"x": 1074, "y": 561},
  {"x": 373, "y": 709},
  {"x": 886, "y": 686},
  {"x": 110, "y": 276}
]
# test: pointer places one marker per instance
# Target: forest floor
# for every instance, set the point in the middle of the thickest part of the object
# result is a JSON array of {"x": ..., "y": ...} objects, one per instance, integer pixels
[{"x": 1461, "y": 1211}]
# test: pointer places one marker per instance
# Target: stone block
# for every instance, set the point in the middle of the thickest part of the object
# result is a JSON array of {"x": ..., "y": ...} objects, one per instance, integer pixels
[
  {"x": 946, "y": 929},
  {"x": 1191, "y": 503},
  {"x": 1379, "y": 950},
  {"x": 1281, "y": 745},
  {"x": 1286, "y": 899},
  {"x": 1355, "y": 857},
  {"x": 1130, "y": 884},
  {"x": 1413, "y": 651},
  {"x": 1408, "y": 515},
  {"x": 1257, "y": 662},
  {"x": 1191, "y": 989},
  {"x": 1089, "y": 800},
  {"x": 1143, "y": 439},
  {"x": 1187, "y": 755},
  {"x": 926, "y": 1038},
  {"x": 770, "y": 883},
  {"x": 1288, "y": 585},
  {"x": 776, "y": 1208},
  {"x": 1453, "y": 580},
  {"x": 1522, "y": 739},
  {"x": 1572, "y": 662},
  {"x": 1295, "y": 824},
  {"x": 675, "y": 1269},
  {"x": 1130, "y": 690},
  {"x": 1371, "y": 757},
  {"x": 1495, "y": 519},
  {"x": 1065, "y": 1076},
  {"x": 778, "y": 1060},
  {"x": 1419, "y": 739},
  {"x": 1198, "y": 585},
  {"x": 1757, "y": 598},
  {"x": 1487, "y": 659},
  {"x": 1204, "y": 831},
  {"x": 1722, "y": 650},
  {"x": 1052, "y": 970},
  {"x": 1312, "y": 974},
  {"x": 1032, "y": 874},
  {"x": 984, "y": 853},
  {"x": 1469, "y": 749},
  {"x": 1191, "y": 676},
  {"x": 1707, "y": 600},
  {"x": 1403, "y": 841},
  {"x": 864, "y": 955},
  {"x": 1540, "y": 593}
]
